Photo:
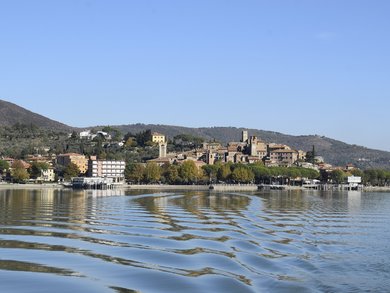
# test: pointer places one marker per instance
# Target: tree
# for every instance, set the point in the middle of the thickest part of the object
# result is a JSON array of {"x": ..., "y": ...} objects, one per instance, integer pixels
[
  {"x": 144, "y": 138},
  {"x": 36, "y": 169},
  {"x": 72, "y": 170},
  {"x": 357, "y": 173},
  {"x": 211, "y": 171},
  {"x": 310, "y": 173},
  {"x": 293, "y": 172},
  {"x": 130, "y": 142},
  {"x": 74, "y": 135},
  {"x": 242, "y": 174},
  {"x": 152, "y": 172},
  {"x": 188, "y": 172},
  {"x": 261, "y": 172},
  {"x": 3, "y": 166},
  {"x": 338, "y": 176},
  {"x": 115, "y": 133},
  {"x": 134, "y": 172},
  {"x": 187, "y": 141},
  {"x": 310, "y": 155},
  {"x": 224, "y": 173},
  {"x": 171, "y": 174},
  {"x": 19, "y": 172}
]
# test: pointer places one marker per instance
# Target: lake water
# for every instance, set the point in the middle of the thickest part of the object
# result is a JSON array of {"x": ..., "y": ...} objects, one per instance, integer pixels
[{"x": 117, "y": 241}]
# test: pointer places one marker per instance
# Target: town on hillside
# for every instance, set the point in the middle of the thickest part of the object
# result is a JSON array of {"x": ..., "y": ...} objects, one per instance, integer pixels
[{"x": 183, "y": 159}]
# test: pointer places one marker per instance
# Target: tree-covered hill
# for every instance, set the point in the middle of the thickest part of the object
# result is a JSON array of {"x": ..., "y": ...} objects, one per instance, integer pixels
[{"x": 11, "y": 114}]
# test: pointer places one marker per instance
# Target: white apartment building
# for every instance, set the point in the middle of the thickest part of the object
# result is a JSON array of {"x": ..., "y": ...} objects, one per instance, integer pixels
[{"x": 106, "y": 169}]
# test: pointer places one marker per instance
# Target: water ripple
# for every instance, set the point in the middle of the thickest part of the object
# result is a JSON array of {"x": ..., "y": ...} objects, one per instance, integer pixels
[{"x": 196, "y": 241}]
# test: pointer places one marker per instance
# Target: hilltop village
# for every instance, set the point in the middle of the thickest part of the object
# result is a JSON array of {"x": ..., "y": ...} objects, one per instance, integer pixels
[
  {"x": 180, "y": 160},
  {"x": 249, "y": 150}
]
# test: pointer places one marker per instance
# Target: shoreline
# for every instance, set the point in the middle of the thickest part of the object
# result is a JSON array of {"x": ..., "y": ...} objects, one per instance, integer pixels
[
  {"x": 31, "y": 186},
  {"x": 216, "y": 187}
]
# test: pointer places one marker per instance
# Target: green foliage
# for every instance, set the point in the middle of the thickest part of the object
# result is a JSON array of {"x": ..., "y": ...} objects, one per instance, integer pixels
[
  {"x": 152, "y": 172},
  {"x": 36, "y": 169},
  {"x": 19, "y": 140},
  {"x": 74, "y": 135},
  {"x": 224, "y": 173},
  {"x": 116, "y": 135},
  {"x": 144, "y": 138},
  {"x": 134, "y": 172},
  {"x": 376, "y": 177},
  {"x": 338, "y": 176},
  {"x": 242, "y": 174},
  {"x": 188, "y": 172},
  {"x": 130, "y": 142},
  {"x": 3, "y": 166},
  {"x": 72, "y": 170},
  {"x": 171, "y": 173},
  {"x": 185, "y": 142},
  {"x": 211, "y": 171},
  {"x": 19, "y": 173},
  {"x": 357, "y": 172},
  {"x": 261, "y": 172},
  {"x": 310, "y": 155}
]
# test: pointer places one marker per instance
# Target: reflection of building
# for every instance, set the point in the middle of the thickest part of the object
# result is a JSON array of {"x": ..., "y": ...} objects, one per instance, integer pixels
[
  {"x": 79, "y": 160},
  {"x": 354, "y": 201},
  {"x": 158, "y": 137},
  {"x": 106, "y": 169}
]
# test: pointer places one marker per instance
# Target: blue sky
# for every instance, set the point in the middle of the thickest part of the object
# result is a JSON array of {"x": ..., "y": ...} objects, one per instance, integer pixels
[{"x": 297, "y": 67}]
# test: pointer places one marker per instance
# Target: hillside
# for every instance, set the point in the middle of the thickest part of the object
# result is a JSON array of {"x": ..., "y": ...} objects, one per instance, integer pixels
[
  {"x": 335, "y": 152},
  {"x": 11, "y": 114}
]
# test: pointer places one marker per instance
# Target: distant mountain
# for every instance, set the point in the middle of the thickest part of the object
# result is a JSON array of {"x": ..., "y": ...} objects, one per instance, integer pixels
[
  {"x": 10, "y": 114},
  {"x": 334, "y": 152}
]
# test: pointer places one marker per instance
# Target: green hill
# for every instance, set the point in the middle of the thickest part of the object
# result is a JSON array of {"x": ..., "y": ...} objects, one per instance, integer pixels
[{"x": 11, "y": 114}]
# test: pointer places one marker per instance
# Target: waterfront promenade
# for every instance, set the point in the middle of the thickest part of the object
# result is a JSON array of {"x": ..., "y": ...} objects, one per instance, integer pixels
[{"x": 215, "y": 187}]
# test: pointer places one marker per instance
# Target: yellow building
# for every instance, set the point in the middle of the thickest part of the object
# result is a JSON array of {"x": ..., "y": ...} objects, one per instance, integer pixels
[
  {"x": 79, "y": 160},
  {"x": 158, "y": 137}
]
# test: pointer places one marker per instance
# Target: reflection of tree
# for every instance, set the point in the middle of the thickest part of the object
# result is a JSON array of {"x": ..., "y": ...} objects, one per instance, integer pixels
[
  {"x": 199, "y": 204},
  {"x": 299, "y": 201},
  {"x": 286, "y": 200}
]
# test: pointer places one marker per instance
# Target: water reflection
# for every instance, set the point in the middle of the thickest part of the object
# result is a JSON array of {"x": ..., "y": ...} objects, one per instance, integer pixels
[
  {"x": 354, "y": 201},
  {"x": 200, "y": 241}
]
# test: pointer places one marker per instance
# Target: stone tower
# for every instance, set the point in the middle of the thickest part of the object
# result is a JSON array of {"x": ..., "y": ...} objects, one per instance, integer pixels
[
  {"x": 210, "y": 158},
  {"x": 253, "y": 146},
  {"x": 244, "y": 137},
  {"x": 162, "y": 150}
]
